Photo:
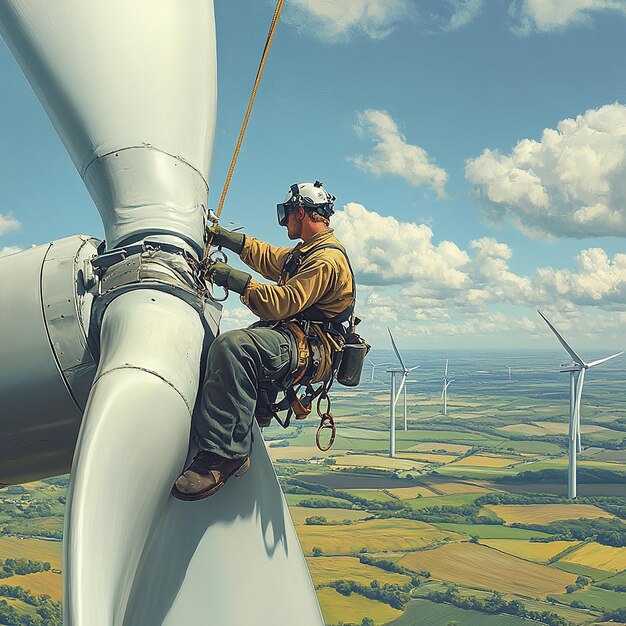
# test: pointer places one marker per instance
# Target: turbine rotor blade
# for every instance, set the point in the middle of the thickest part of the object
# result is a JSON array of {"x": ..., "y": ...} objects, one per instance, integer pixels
[
  {"x": 608, "y": 358},
  {"x": 400, "y": 388},
  {"x": 395, "y": 349},
  {"x": 579, "y": 394},
  {"x": 413, "y": 368},
  {"x": 445, "y": 373},
  {"x": 577, "y": 358}
]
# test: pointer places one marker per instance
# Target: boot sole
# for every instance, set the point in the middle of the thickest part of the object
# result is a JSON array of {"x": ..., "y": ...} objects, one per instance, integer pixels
[{"x": 245, "y": 466}]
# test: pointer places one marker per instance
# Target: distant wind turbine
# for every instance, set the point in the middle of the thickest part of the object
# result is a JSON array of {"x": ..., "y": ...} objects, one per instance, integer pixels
[
  {"x": 444, "y": 391},
  {"x": 395, "y": 395},
  {"x": 375, "y": 365},
  {"x": 576, "y": 370},
  {"x": 509, "y": 371}
]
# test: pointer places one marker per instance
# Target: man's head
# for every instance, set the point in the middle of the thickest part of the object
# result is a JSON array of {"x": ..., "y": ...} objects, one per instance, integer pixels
[{"x": 307, "y": 207}]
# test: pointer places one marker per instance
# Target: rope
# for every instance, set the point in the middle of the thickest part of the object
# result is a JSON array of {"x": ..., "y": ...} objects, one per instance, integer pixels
[{"x": 268, "y": 43}]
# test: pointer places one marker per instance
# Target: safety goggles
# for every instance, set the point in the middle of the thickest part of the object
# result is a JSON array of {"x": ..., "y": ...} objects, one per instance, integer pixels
[
  {"x": 282, "y": 212},
  {"x": 285, "y": 208}
]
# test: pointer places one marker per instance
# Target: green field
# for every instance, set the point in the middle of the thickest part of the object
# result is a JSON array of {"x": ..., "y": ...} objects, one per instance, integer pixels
[
  {"x": 581, "y": 570},
  {"x": 491, "y": 531},
  {"x": 460, "y": 499},
  {"x": 457, "y": 459},
  {"x": 429, "y": 613},
  {"x": 595, "y": 598}
]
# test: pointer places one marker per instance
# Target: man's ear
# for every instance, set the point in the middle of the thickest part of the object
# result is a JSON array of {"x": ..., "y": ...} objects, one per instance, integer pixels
[{"x": 301, "y": 213}]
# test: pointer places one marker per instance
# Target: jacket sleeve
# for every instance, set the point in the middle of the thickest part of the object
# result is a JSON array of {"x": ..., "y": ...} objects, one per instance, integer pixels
[
  {"x": 278, "y": 302},
  {"x": 263, "y": 258}
]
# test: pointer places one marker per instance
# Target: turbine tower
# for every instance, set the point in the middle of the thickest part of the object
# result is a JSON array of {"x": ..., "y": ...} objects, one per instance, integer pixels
[
  {"x": 509, "y": 371},
  {"x": 444, "y": 391},
  {"x": 576, "y": 370},
  {"x": 395, "y": 395}
]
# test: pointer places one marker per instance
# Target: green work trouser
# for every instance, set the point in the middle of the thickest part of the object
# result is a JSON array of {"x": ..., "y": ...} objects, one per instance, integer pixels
[{"x": 238, "y": 361}]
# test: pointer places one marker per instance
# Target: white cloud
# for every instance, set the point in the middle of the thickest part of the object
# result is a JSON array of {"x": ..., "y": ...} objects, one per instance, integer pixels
[
  {"x": 7, "y": 250},
  {"x": 435, "y": 289},
  {"x": 7, "y": 223},
  {"x": 239, "y": 317},
  {"x": 596, "y": 281},
  {"x": 385, "y": 251},
  {"x": 332, "y": 20},
  {"x": 463, "y": 12},
  {"x": 571, "y": 183},
  {"x": 393, "y": 155},
  {"x": 552, "y": 15}
]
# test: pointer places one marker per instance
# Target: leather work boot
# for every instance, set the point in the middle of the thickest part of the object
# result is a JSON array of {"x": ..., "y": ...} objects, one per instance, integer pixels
[{"x": 207, "y": 474}]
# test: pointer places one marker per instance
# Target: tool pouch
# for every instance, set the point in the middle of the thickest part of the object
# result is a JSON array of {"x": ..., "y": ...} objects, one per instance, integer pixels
[{"x": 353, "y": 360}]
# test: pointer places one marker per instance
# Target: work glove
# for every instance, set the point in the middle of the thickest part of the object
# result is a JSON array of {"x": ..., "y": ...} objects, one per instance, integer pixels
[
  {"x": 226, "y": 238},
  {"x": 223, "y": 275}
]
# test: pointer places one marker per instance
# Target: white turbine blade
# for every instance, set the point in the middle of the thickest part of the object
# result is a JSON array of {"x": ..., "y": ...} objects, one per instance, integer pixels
[
  {"x": 448, "y": 383},
  {"x": 400, "y": 388},
  {"x": 445, "y": 373},
  {"x": 579, "y": 394},
  {"x": 577, "y": 358},
  {"x": 413, "y": 368},
  {"x": 395, "y": 349},
  {"x": 608, "y": 358}
]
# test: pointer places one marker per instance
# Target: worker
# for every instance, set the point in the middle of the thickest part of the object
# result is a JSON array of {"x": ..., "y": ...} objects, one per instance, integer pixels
[{"x": 302, "y": 318}]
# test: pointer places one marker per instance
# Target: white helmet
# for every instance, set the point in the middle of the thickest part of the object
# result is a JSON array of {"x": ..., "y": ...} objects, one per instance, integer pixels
[{"x": 310, "y": 196}]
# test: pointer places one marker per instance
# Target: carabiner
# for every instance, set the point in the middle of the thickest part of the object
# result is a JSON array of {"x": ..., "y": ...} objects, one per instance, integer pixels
[{"x": 327, "y": 422}]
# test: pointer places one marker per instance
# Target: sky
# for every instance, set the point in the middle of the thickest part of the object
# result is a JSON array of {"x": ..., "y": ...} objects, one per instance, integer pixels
[{"x": 477, "y": 150}]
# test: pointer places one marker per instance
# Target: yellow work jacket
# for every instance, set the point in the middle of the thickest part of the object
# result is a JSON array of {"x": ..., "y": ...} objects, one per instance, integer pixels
[{"x": 323, "y": 279}]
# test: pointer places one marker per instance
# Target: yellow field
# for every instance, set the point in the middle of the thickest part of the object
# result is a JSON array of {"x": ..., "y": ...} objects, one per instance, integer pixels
[
  {"x": 448, "y": 447},
  {"x": 540, "y": 552},
  {"x": 481, "y": 460},
  {"x": 325, "y": 569},
  {"x": 601, "y": 557},
  {"x": 33, "y": 549},
  {"x": 523, "y": 429},
  {"x": 376, "y": 535},
  {"x": 300, "y": 513},
  {"x": 353, "y": 608},
  {"x": 452, "y": 487},
  {"x": 380, "y": 462},
  {"x": 42, "y": 582},
  {"x": 545, "y": 513},
  {"x": 561, "y": 428},
  {"x": 481, "y": 567},
  {"x": 297, "y": 452},
  {"x": 410, "y": 493},
  {"x": 428, "y": 457}
]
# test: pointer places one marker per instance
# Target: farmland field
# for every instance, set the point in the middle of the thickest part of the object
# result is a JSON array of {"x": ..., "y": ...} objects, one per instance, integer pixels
[
  {"x": 378, "y": 461},
  {"x": 545, "y": 513},
  {"x": 491, "y": 531},
  {"x": 594, "y": 597},
  {"x": 505, "y": 427},
  {"x": 409, "y": 493},
  {"x": 33, "y": 549},
  {"x": 429, "y": 613},
  {"x": 533, "y": 551},
  {"x": 325, "y": 569},
  {"x": 478, "y": 566},
  {"x": 598, "y": 556},
  {"x": 377, "y": 535},
  {"x": 300, "y": 513},
  {"x": 479, "y": 460},
  {"x": 48, "y": 583},
  {"x": 353, "y": 608}
]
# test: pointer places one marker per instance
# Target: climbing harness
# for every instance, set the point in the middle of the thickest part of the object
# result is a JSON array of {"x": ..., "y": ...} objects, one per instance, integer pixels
[{"x": 321, "y": 349}]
